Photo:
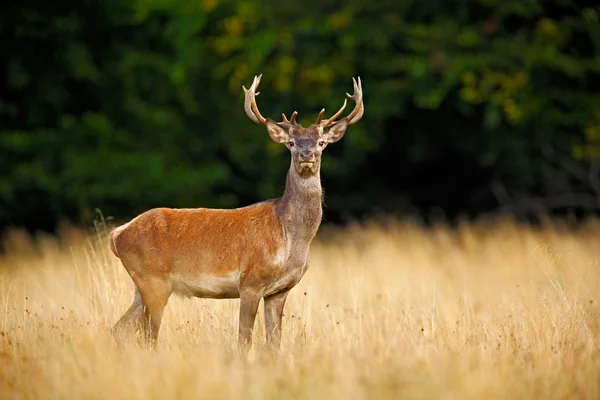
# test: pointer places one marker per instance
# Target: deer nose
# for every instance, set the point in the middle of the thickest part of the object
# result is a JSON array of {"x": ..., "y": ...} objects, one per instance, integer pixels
[{"x": 307, "y": 156}]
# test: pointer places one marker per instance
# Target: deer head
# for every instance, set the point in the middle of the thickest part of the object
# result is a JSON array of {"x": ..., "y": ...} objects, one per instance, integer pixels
[{"x": 305, "y": 144}]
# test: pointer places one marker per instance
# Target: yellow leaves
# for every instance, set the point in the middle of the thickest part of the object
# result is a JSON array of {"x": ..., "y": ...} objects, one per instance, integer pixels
[
  {"x": 578, "y": 152},
  {"x": 239, "y": 77},
  {"x": 339, "y": 20},
  {"x": 286, "y": 66},
  {"x": 590, "y": 15},
  {"x": 468, "y": 78},
  {"x": 549, "y": 31},
  {"x": 592, "y": 131},
  {"x": 546, "y": 27},
  {"x": 209, "y": 5},
  {"x": 224, "y": 45},
  {"x": 511, "y": 110},
  {"x": 591, "y": 148},
  {"x": 469, "y": 92},
  {"x": 231, "y": 40},
  {"x": 498, "y": 88},
  {"x": 470, "y": 95},
  {"x": 520, "y": 80},
  {"x": 233, "y": 26},
  {"x": 322, "y": 75},
  {"x": 586, "y": 152}
]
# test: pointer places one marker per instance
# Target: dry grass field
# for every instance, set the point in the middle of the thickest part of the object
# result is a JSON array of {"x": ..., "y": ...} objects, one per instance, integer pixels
[{"x": 484, "y": 311}]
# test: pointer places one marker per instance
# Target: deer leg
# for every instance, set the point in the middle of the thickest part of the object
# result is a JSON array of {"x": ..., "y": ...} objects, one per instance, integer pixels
[
  {"x": 132, "y": 317},
  {"x": 273, "y": 312},
  {"x": 249, "y": 301},
  {"x": 155, "y": 294}
]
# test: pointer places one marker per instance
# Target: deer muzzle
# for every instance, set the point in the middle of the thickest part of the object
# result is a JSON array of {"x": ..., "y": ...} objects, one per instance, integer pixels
[{"x": 306, "y": 159}]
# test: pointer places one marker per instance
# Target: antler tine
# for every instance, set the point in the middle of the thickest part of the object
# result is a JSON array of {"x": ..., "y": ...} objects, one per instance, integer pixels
[
  {"x": 355, "y": 115},
  {"x": 250, "y": 102},
  {"x": 320, "y": 117},
  {"x": 252, "y": 109},
  {"x": 288, "y": 123},
  {"x": 359, "y": 109},
  {"x": 335, "y": 116}
]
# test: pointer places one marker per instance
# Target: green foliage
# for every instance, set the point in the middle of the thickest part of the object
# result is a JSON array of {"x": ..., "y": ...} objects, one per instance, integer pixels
[{"x": 127, "y": 105}]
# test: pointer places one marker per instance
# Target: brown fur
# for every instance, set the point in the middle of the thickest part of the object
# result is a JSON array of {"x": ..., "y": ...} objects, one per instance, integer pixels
[
  {"x": 253, "y": 252},
  {"x": 188, "y": 242}
]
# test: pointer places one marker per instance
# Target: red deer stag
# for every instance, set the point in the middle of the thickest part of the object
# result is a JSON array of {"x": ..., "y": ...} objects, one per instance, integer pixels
[{"x": 253, "y": 252}]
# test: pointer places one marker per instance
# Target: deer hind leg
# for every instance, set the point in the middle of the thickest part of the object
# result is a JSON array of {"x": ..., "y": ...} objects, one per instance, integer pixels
[
  {"x": 155, "y": 294},
  {"x": 132, "y": 318}
]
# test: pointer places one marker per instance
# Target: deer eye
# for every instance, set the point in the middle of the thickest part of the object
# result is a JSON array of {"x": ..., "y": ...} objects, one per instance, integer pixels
[
  {"x": 321, "y": 143},
  {"x": 291, "y": 144}
]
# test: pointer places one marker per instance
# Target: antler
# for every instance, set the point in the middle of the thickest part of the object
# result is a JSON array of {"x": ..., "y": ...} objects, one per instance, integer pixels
[
  {"x": 285, "y": 123},
  {"x": 354, "y": 116},
  {"x": 253, "y": 113},
  {"x": 331, "y": 120},
  {"x": 250, "y": 102},
  {"x": 252, "y": 109}
]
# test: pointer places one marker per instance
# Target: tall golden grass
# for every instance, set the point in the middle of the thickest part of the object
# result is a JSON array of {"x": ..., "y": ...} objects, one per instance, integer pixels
[{"x": 483, "y": 311}]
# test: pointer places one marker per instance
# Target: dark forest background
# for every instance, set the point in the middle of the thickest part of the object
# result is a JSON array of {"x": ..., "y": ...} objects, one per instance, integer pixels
[{"x": 472, "y": 107}]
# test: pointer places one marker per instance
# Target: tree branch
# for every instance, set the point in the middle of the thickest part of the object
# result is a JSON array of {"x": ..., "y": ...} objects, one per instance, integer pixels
[
  {"x": 594, "y": 176},
  {"x": 568, "y": 165}
]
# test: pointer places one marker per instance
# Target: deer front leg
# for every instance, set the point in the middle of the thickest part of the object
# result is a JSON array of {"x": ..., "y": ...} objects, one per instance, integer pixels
[
  {"x": 273, "y": 312},
  {"x": 249, "y": 301}
]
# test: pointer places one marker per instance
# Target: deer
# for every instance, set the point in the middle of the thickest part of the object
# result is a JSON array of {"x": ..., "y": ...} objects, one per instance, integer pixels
[{"x": 260, "y": 251}]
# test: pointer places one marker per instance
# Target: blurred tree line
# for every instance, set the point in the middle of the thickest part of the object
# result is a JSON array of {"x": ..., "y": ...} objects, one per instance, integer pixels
[{"x": 124, "y": 105}]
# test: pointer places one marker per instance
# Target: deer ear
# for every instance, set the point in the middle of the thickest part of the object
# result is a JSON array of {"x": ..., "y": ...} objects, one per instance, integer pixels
[
  {"x": 277, "y": 133},
  {"x": 336, "y": 132}
]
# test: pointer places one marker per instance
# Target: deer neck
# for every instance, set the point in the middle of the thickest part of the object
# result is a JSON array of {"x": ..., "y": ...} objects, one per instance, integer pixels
[{"x": 300, "y": 207}]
